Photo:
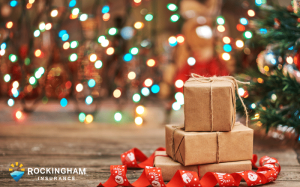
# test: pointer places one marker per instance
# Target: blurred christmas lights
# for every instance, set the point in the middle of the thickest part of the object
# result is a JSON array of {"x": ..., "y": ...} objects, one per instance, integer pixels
[
  {"x": 148, "y": 82},
  {"x": 93, "y": 57},
  {"x": 110, "y": 51},
  {"x": 138, "y": 25},
  {"x": 117, "y": 93},
  {"x": 127, "y": 57},
  {"x": 81, "y": 117},
  {"x": 179, "y": 83},
  {"x": 150, "y": 62},
  {"x": 172, "y": 7},
  {"x": 79, "y": 87},
  {"x": 98, "y": 64},
  {"x": 136, "y": 97},
  {"x": 220, "y": 20},
  {"x": 140, "y": 109},
  {"x": 54, "y": 13},
  {"x": 138, "y": 121},
  {"x": 91, "y": 83},
  {"x": 174, "y": 17},
  {"x": 63, "y": 102},
  {"x": 131, "y": 75},
  {"x": 89, "y": 118},
  {"x": 155, "y": 88},
  {"x": 10, "y": 102},
  {"x": 239, "y": 43},
  {"x": 89, "y": 100},
  {"x": 191, "y": 61},
  {"x": 251, "y": 13},
  {"x": 118, "y": 116},
  {"x": 145, "y": 91},
  {"x": 226, "y": 39}
]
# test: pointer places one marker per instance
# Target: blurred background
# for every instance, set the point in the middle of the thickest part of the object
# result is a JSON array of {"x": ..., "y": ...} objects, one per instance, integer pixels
[{"x": 124, "y": 62}]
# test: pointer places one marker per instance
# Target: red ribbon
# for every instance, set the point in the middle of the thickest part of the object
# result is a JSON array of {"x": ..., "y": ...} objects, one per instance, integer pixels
[{"x": 267, "y": 172}]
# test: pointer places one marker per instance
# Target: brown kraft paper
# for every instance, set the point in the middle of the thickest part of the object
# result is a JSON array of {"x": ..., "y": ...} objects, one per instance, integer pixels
[
  {"x": 194, "y": 148},
  {"x": 209, "y": 106},
  {"x": 169, "y": 167}
]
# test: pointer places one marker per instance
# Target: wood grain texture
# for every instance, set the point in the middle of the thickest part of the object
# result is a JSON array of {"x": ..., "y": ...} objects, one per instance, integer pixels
[{"x": 96, "y": 146}]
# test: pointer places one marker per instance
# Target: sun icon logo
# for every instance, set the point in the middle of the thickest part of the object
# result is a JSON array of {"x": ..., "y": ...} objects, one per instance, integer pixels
[{"x": 16, "y": 171}]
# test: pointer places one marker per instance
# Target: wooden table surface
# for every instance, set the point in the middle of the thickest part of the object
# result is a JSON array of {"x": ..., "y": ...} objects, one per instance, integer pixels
[{"x": 96, "y": 146}]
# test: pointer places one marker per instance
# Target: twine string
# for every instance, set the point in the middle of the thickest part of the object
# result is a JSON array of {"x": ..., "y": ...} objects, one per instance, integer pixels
[{"x": 223, "y": 78}]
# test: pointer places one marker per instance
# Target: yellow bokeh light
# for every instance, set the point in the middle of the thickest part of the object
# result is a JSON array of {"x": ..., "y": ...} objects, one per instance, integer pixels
[
  {"x": 138, "y": 121},
  {"x": 226, "y": 39},
  {"x": 289, "y": 59},
  {"x": 137, "y": 1},
  {"x": 31, "y": 1},
  {"x": 79, "y": 87},
  {"x": 89, "y": 118},
  {"x": 239, "y": 43},
  {"x": 226, "y": 56},
  {"x": 106, "y": 16},
  {"x": 260, "y": 80},
  {"x": 38, "y": 53},
  {"x": 117, "y": 93},
  {"x": 93, "y": 57},
  {"x": 110, "y": 51},
  {"x": 150, "y": 62},
  {"x": 19, "y": 114},
  {"x": 266, "y": 68},
  {"x": 9, "y": 24},
  {"x": 73, "y": 16},
  {"x": 148, "y": 82},
  {"x": 221, "y": 28},
  {"x": 179, "y": 83},
  {"x": 138, "y": 25},
  {"x": 131, "y": 75},
  {"x": 180, "y": 39},
  {"x": 15, "y": 84},
  {"x": 66, "y": 45},
  {"x": 54, "y": 13},
  {"x": 28, "y": 5},
  {"x": 48, "y": 26},
  {"x": 256, "y": 116},
  {"x": 251, "y": 13},
  {"x": 140, "y": 109}
]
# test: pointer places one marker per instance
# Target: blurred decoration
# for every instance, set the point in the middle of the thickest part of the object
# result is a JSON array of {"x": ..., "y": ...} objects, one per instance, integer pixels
[
  {"x": 130, "y": 51},
  {"x": 273, "y": 97}
]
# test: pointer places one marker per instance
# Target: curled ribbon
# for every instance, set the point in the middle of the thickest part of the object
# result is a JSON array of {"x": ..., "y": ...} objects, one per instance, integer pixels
[
  {"x": 223, "y": 78},
  {"x": 151, "y": 176}
]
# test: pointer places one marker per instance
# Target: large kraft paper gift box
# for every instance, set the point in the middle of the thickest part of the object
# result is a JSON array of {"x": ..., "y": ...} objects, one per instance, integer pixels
[
  {"x": 169, "y": 167},
  {"x": 195, "y": 148},
  {"x": 209, "y": 105}
]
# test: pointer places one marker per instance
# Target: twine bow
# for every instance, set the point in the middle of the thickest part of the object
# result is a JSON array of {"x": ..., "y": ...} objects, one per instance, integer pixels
[{"x": 223, "y": 78}]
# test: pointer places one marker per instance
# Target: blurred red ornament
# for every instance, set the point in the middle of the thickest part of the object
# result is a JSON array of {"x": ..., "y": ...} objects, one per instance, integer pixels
[{"x": 23, "y": 51}]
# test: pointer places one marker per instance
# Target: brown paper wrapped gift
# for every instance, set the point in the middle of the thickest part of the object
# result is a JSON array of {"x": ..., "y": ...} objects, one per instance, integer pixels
[
  {"x": 209, "y": 103},
  {"x": 169, "y": 167},
  {"x": 194, "y": 148}
]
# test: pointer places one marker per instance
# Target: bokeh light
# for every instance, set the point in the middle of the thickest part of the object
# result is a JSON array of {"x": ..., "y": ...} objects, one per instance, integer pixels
[
  {"x": 148, "y": 82},
  {"x": 127, "y": 57},
  {"x": 131, "y": 75},
  {"x": 63, "y": 102},
  {"x": 118, "y": 116},
  {"x": 145, "y": 91},
  {"x": 251, "y": 13},
  {"x": 89, "y": 118},
  {"x": 138, "y": 121},
  {"x": 81, "y": 117},
  {"x": 79, "y": 87},
  {"x": 191, "y": 61},
  {"x": 91, "y": 83},
  {"x": 226, "y": 56},
  {"x": 117, "y": 93},
  {"x": 10, "y": 102},
  {"x": 93, "y": 57},
  {"x": 89, "y": 100},
  {"x": 136, "y": 97},
  {"x": 150, "y": 62},
  {"x": 179, "y": 83},
  {"x": 138, "y": 25},
  {"x": 110, "y": 51},
  {"x": 140, "y": 109},
  {"x": 98, "y": 64},
  {"x": 176, "y": 106},
  {"x": 155, "y": 88},
  {"x": 239, "y": 43}
]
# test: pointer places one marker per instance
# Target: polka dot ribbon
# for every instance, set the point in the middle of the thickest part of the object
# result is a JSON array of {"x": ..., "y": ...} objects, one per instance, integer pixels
[{"x": 151, "y": 176}]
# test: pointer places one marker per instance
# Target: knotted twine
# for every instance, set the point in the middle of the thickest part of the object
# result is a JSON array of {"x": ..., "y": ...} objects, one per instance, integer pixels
[{"x": 223, "y": 78}]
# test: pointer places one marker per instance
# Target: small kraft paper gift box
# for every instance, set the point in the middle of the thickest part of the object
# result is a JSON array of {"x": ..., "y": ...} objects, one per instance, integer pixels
[
  {"x": 210, "y": 103},
  {"x": 194, "y": 148},
  {"x": 169, "y": 167}
]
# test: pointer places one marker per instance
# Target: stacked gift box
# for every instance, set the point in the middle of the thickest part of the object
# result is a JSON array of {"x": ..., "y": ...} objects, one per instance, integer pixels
[{"x": 210, "y": 140}]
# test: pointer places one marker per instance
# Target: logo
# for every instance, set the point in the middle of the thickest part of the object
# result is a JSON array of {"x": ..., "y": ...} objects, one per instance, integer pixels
[{"x": 16, "y": 171}]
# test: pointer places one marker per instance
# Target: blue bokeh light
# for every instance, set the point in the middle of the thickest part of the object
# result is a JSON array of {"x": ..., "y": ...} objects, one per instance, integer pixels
[
  {"x": 63, "y": 102},
  {"x": 65, "y": 37},
  {"x": 72, "y": 3},
  {"x": 3, "y": 46},
  {"x": 89, "y": 100},
  {"x": 13, "y": 3},
  {"x": 91, "y": 83},
  {"x": 244, "y": 21},
  {"x": 155, "y": 88},
  {"x": 62, "y": 32},
  {"x": 227, "y": 48},
  {"x": 127, "y": 57},
  {"x": 105, "y": 9}
]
